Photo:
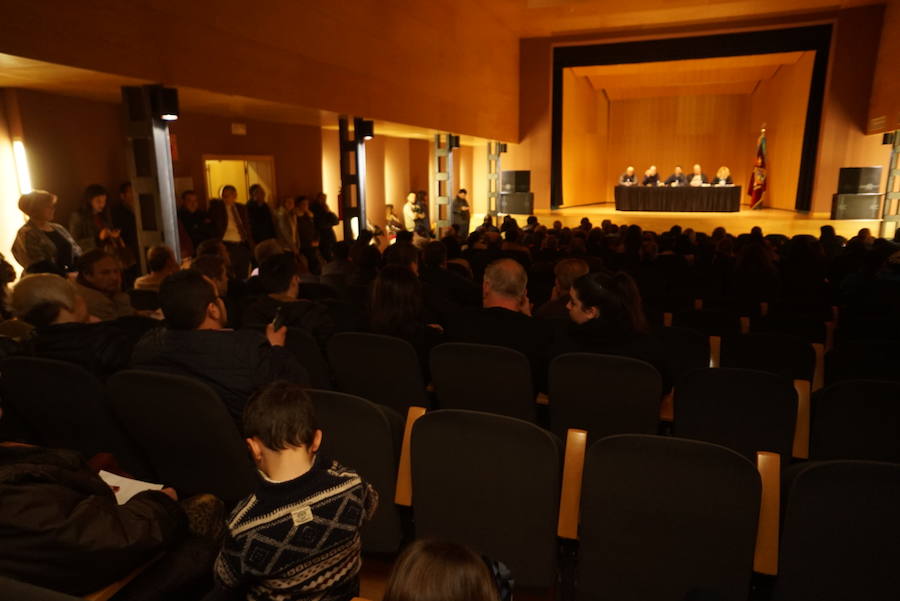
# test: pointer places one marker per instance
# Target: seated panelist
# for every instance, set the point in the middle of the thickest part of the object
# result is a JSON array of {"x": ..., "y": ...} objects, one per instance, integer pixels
[
  {"x": 697, "y": 178},
  {"x": 723, "y": 177},
  {"x": 628, "y": 178},
  {"x": 677, "y": 178},
  {"x": 651, "y": 177}
]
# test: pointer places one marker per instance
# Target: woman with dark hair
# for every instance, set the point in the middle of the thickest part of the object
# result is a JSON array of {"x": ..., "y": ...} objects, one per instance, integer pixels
[
  {"x": 440, "y": 571},
  {"x": 397, "y": 309},
  {"x": 91, "y": 225},
  {"x": 607, "y": 318}
]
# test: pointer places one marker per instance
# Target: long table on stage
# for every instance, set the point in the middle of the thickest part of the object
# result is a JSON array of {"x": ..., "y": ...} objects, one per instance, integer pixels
[{"x": 723, "y": 199}]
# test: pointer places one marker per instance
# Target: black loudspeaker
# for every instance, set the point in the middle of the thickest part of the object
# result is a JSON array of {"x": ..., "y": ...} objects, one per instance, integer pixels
[
  {"x": 515, "y": 181},
  {"x": 888, "y": 138},
  {"x": 517, "y": 203},
  {"x": 859, "y": 180},
  {"x": 855, "y": 206}
]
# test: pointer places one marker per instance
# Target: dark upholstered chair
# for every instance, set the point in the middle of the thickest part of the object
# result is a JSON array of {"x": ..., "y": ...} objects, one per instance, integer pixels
[
  {"x": 603, "y": 394},
  {"x": 789, "y": 356},
  {"x": 841, "y": 536},
  {"x": 863, "y": 360},
  {"x": 381, "y": 369},
  {"x": 366, "y": 437},
  {"x": 64, "y": 406},
  {"x": 686, "y": 350},
  {"x": 742, "y": 409},
  {"x": 481, "y": 377},
  {"x": 664, "y": 518},
  {"x": 181, "y": 426},
  {"x": 491, "y": 482},
  {"x": 856, "y": 419},
  {"x": 304, "y": 346}
]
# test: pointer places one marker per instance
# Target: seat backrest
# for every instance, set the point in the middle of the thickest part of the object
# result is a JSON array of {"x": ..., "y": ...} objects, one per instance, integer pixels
[
  {"x": 662, "y": 518},
  {"x": 863, "y": 360},
  {"x": 841, "y": 533},
  {"x": 185, "y": 432},
  {"x": 490, "y": 482},
  {"x": 481, "y": 377},
  {"x": 686, "y": 350},
  {"x": 789, "y": 356},
  {"x": 64, "y": 406},
  {"x": 366, "y": 437},
  {"x": 856, "y": 419},
  {"x": 712, "y": 322},
  {"x": 742, "y": 409},
  {"x": 381, "y": 369},
  {"x": 603, "y": 394},
  {"x": 304, "y": 346}
]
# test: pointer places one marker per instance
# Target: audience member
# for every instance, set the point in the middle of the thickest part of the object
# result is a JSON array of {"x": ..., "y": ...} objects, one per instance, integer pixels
[
  {"x": 100, "y": 284},
  {"x": 122, "y": 217},
  {"x": 62, "y": 528},
  {"x": 279, "y": 277},
  {"x": 325, "y": 220},
  {"x": 196, "y": 344},
  {"x": 195, "y": 221},
  {"x": 40, "y": 239},
  {"x": 565, "y": 272},
  {"x": 285, "y": 219},
  {"x": 260, "y": 216},
  {"x": 461, "y": 212},
  {"x": 430, "y": 570},
  {"x": 445, "y": 291},
  {"x": 607, "y": 318},
  {"x": 308, "y": 510},
  {"x": 231, "y": 224},
  {"x": 161, "y": 263},
  {"x": 308, "y": 234},
  {"x": 213, "y": 267}
]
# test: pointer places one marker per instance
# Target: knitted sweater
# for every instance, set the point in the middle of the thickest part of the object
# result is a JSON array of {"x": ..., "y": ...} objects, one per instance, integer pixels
[{"x": 298, "y": 540}]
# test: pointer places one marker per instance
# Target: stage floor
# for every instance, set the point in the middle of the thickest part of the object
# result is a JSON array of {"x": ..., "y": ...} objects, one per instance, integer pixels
[{"x": 772, "y": 221}]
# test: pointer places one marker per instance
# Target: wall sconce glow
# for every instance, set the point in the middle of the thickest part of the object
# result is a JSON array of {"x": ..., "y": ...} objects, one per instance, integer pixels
[
  {"x": 170, "y": 117},
  {"x": 22, "y": 172}
]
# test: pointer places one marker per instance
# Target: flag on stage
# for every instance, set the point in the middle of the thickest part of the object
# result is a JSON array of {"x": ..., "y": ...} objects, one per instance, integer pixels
[{"x": 759, "y": 177}]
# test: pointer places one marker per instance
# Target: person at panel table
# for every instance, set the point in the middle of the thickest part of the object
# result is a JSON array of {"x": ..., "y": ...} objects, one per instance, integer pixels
[
  {"x": 628, "y": 178},
  {"x": 677, "y": 178},
  {"x": 723, "y": 177},
  {"x": 651, "y": 177},
  {"x": 698, "y": 178}
]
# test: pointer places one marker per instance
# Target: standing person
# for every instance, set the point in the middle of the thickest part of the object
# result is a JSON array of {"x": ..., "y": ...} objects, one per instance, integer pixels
[
  {"x": 91, "y": 226},
  {"x": 411, "y": 213},
  {"x": 261, "y": 224},
  {"x": 325, "y": 221},
  {"x": 296, "y": 537},
  {"x": 392, "y": 222},
  {"x": 231, "y": 225},
  {"x": 122, "y": 214},
  {"x": 286, "y": 224},
  {"x": 461, "y": 212},
  {"x": 308, "y": 235},
  {"x": 423, "y": 223},
  {"x": 195, "y": 221},
  {"x": 40, "y": 239}
]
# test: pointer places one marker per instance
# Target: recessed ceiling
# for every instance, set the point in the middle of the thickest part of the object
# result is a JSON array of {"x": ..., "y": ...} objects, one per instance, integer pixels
[
  {"x": 725, "y": 75},
  {"x": 537, "y": 18}
]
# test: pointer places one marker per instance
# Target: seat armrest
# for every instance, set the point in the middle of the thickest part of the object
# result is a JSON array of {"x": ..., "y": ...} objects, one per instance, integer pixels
[
  {"x": 570, "y": 496},
  {"x": 403, "y": 492},
  {"x": 765, "y": 557}
]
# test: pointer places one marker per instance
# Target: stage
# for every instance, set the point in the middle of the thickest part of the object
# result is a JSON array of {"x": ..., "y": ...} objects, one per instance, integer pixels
[{"x": 772, "y": 221}]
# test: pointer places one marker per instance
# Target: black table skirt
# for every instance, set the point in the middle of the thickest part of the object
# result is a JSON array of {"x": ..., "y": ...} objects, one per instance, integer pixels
[{"x": 723, "y": 199}]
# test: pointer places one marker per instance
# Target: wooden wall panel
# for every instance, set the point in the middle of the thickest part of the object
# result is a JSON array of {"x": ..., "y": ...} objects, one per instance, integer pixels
[
  {"x": 585, "y": 141},
  {"x": 885, "y": 99},
  {"x": 780, "y": 103},
  {"x": 710, "y": 130}
]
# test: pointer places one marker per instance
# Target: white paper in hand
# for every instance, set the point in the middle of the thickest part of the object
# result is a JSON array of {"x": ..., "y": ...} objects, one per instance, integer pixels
[{"x": 125, "y": 488}]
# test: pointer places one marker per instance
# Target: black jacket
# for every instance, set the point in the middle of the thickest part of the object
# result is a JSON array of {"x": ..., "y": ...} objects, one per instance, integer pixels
[
  {"x": 101, "y": 348},
  {"x": 61, "y": 528},
  {"x": 312, "y": 316},
  {"x": 261, "y": 225},
  {"x": 233, "y": 363}
]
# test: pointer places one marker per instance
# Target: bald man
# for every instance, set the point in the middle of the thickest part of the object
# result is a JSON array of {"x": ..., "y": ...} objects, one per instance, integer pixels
[
  {"x": 505, "y": 318},
  {"x": 628, "y": 178},
  {"x": 698, "y": 178}
]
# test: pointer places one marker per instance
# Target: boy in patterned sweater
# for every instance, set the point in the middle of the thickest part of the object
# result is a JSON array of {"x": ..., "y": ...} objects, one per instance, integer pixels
[{"x": 297, "y": 537}]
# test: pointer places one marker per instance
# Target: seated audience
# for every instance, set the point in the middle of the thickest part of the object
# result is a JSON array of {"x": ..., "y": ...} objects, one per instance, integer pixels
[
  {"x": 161, "y": 263},
  {"x": 11, "y": 327},
  {"x": 566, "y": 272},
  {"x": 607, "y": 318},
  {"x": 505, "y": 317},
  {"x": 195, "y": 343},
  {"x": 279, "y": 277},
  {"x": 61, "y": 527},
  {"x": 213, "y": 267},
  {"x": 40, "y": 239},
  {"x": 51, "y": 305},
  {"x": 445, "y": 291},
  {"x": 307, "y": 509},
  {"x": 441, "y": 571},
  {"x": 99, "y": 282}
]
